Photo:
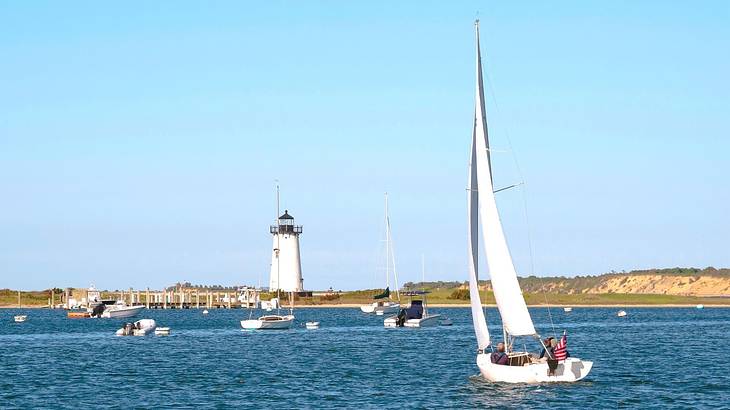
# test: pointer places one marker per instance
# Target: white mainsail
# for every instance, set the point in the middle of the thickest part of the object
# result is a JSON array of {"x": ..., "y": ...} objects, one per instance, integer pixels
[{"x": 507, "y": 293}]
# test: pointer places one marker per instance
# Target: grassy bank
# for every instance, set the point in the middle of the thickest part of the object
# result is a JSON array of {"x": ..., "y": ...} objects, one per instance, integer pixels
[
  {"x": 9, "y": 298},
  {"x": 447, "y": 297}
]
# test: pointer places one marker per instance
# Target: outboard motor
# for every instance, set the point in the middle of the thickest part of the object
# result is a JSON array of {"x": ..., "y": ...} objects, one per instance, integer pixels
[
  {"x": 128, "y": 329},
  {"x": 98, "y": 310},
  {"x": 401, "y": 319}
]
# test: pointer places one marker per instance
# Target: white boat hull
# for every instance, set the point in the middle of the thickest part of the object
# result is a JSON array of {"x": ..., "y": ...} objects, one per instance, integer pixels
[
  {"x": 122, "y": 312},
  {"x": 570, "y": 370},
  {"x": 141, "y": 328},
  {"x": 262, "y": 323},
  {"x": 380, "y": 310},
  {"x": 428, "y": 321},
  {"x": 367, "y": 309},
  {"x": 312, "y": 325},
  {"x": 20, "y": 318}
]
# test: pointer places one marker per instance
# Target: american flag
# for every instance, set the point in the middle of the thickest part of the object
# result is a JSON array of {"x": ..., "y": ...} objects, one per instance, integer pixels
[{"x": 561, "y": 350}]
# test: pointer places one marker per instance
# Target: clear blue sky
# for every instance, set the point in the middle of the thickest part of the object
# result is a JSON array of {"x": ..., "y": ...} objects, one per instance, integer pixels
[{"x": 139, "y": 142}]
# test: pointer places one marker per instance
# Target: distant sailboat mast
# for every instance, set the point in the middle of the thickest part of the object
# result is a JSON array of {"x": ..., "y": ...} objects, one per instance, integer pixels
[
  {"x": 389, "y": 252},
  {"x": 278, "y": 249}
]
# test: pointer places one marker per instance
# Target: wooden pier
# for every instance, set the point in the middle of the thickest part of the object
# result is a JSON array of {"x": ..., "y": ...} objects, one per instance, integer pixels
[{"x": 191, "y": 298}]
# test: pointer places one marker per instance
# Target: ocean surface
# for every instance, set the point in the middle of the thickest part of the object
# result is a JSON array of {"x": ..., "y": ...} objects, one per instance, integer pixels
[{"x": 653, "y": 358}]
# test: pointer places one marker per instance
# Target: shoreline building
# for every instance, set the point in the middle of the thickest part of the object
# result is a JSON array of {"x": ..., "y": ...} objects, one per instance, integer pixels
[{"x": 286, "y": 265}]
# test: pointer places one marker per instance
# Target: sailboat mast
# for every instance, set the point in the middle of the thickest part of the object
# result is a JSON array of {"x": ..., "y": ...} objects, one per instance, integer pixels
[
  {"x": 278, "y": 249},
  {"x": 387, "y": 244},
  {"x": 392, "y": 258},
  {"x": 482, "y": 111}
]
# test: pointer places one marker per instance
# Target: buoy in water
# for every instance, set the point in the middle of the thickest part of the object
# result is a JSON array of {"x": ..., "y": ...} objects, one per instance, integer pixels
[{"x": 205, "y": 312}]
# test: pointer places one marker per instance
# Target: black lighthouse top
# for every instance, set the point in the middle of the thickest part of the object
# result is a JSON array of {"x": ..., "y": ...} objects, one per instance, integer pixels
[{"x": 285, "y": 225}]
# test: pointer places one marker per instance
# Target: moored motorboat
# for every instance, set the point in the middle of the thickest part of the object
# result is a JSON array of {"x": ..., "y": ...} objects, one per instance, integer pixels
[
  {"x": 700, "y": 306},
  {"x": 121, "y": 310},
  {"x": 162, "y": 331},
  {"x": 142, "y": 327},
  {"x": 415, "y": 315},
  {"x": 20, "y": 318},
  {"x": 621, "y": 313},
  {"x": 510, "y": 366},
  {"x": 567, "y": 309},
  {"x": 312, "y": 325}
]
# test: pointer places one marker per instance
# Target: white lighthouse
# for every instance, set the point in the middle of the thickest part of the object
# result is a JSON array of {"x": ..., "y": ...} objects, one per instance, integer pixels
[{"x": 286, "y": 265}]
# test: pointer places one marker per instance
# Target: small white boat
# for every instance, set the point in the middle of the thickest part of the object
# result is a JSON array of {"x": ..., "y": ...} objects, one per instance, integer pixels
[
  {"x": 700, "y": 306},
  {"x": 141, "y": 327},
  {"x": 312, "y": 325},
  {"x": 381, "y": 308},
  {"x": 205, "y": 312},
  {"x": 416, "y": 315},
  {"x": 162, "y": 331},
  {"x": 20, "y": 318},
  {"x": 121, "y": 310},
  {"x": 621, "y": 313},
  {"x": 268, "y": 322},
  {"x": 567, "y": 309}
]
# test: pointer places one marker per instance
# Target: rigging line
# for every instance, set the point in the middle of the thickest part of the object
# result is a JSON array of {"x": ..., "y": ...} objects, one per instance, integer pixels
[{"x": 524, "y": 201}]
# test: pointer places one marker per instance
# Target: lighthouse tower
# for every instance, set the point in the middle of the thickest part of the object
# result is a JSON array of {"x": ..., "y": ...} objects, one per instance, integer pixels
[{"x": 286, "y": 265}]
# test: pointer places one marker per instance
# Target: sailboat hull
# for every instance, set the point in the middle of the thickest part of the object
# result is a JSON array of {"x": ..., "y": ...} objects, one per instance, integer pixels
[
  {"x": 268, "y": 323},
  {"x": 570, "y": 370}
]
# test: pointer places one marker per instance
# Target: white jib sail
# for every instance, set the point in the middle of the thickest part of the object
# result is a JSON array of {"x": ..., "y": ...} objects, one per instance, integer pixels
[
  {"x": 507, "y": 293},
  {"x": 472, "y": 204}
]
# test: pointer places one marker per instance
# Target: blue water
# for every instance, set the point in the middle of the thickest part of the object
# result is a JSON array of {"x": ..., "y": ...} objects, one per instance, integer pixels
[{"x": 654, "y": 358}]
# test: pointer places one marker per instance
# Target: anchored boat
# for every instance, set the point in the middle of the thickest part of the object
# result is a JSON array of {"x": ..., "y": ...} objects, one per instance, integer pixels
[
  {"x": 118, "y": 310},
  {"x": 416, "y": 315},
  {"x": 141, "y": 327},
  {"x": 516, "y": 321},
  {"x": 276, "y": 322},
  {"x": 382, "y": 304}
]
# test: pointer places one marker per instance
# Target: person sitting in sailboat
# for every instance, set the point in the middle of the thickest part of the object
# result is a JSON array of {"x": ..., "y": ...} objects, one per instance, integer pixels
[{"x": 500, "y": 357}]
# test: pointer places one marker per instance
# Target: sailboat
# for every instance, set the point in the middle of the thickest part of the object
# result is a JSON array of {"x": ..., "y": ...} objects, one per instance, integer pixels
[
  {"x": 277, "y": 321},
  {"x": 383, "y": 304},
  {"x": 516, "y": 320}
]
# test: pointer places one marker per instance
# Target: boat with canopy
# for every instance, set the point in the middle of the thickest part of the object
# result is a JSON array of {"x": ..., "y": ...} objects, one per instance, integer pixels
[{"x": 516, "y": 321}]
